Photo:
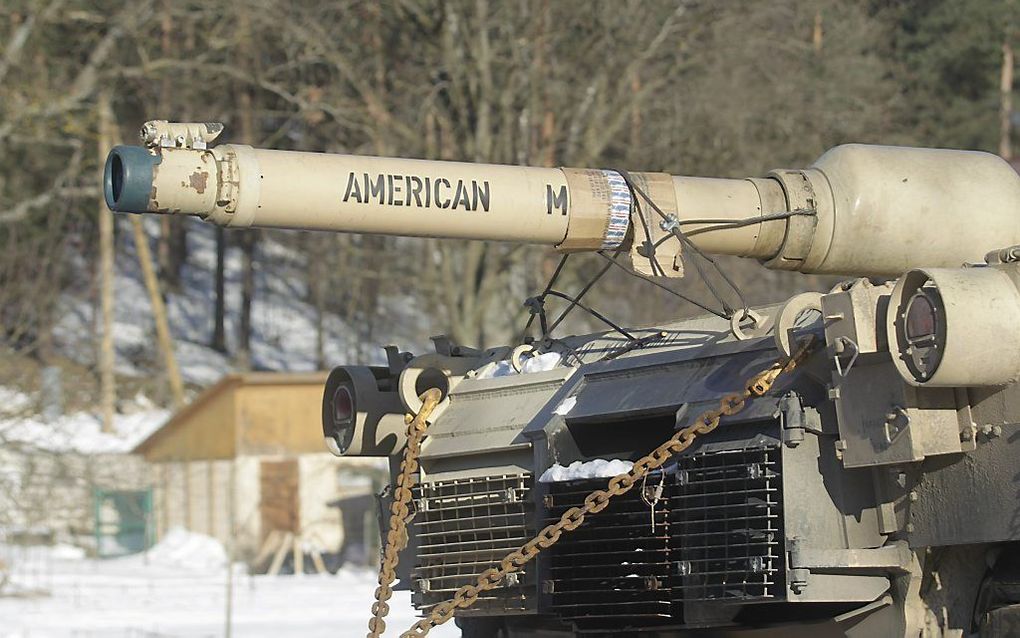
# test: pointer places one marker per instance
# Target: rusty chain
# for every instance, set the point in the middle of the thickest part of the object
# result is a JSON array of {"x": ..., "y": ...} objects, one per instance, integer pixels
[
  {"x": 598, "y": 500},
  {"x": 396, "y": 537}
]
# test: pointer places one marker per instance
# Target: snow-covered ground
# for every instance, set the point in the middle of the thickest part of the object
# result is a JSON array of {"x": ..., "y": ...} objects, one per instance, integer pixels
[{"x": 180, "y": 590}]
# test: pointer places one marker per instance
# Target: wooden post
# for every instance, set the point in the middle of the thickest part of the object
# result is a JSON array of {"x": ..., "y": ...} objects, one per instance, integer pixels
[
  {"x": 164, "y": 470},
  {"x": 320, "y": 565},
  {"x": 316, "y": 551},
  {"x": 107, "y": 388},
  {"x": 268, "y": 548},
  {"x": 281, "y": 554},
  {"x": 166, "y": 346},
  {"x": 211, "y": 498},
  {"x": 299, "y": 556},
  {"x": 1006, "y": 102},
  {"x": 186, "y": 467}
]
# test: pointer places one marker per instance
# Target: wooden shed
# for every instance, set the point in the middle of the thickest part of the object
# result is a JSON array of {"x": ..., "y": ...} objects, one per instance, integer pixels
[{"x": 245, "y": 463}]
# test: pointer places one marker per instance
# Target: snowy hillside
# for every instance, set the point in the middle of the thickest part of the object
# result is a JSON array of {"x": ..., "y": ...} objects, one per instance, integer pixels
[
  {"x": 80, "y": 432},
  {"x": 283, "y": 336}
]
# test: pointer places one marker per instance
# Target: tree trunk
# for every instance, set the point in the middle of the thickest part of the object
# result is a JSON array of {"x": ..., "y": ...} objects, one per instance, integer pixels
[
  {"x": 818, "y": 33},
  {"x": 1006, "y": 102},
  {"x": 248, "y": 238},
  {"x": 219, "y": 337},
  {"x": 107, "y": 389},
  {"x": 166, "y": 343},
  {"x": 318, "y": 272},
  {"x": 171, "y": 249}
]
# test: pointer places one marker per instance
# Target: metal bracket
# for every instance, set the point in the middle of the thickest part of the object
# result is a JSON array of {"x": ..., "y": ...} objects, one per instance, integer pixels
[
  {"x": 791, "y": 412},
  {"x": 896, "y": 421},
  {"x": 190, "y": 135},
  {"x": 447, "y": 347},
  {"x": 895, "y": 556},
  {"x": 396, "y": 360},
  {"x": 839, "y": 347},
  {"x": 798, "y": 578}
]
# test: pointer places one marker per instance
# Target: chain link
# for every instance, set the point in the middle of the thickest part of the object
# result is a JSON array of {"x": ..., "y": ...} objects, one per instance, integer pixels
[{"x": 396, "y": 537}]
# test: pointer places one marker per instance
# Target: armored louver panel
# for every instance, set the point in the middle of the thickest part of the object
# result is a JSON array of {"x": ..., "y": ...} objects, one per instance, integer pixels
[
  {"x": 613, "y": 572},
  {"x": 726, "y": 520},
  {"x": 464, "y": 527},
  {"x": 717, "y": 538}
]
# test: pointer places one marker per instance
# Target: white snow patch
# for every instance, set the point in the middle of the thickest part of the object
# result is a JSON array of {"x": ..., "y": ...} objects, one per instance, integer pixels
[
  {"x": 81, "y": 432},
  {"x": 538, "y": 363},
  {"x": 598, "y": 468},
  {"x": 181, "y": 548},
  {"x": 13, "y": 402},
  {"x": 495, "y": 369},
  {"x": 565, "y": 406},
  {"x": 63, "y": 551},
  {"x": 541, "y": 363}
]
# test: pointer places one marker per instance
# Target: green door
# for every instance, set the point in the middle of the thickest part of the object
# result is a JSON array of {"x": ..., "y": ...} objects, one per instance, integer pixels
[{"x": 123, "y": 522}]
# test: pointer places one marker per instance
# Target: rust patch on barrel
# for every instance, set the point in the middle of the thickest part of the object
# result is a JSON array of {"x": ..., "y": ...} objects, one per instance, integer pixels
[{"x": 199, "y": 180}]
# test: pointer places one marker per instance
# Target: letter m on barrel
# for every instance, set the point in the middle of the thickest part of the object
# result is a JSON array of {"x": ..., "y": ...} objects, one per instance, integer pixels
[{"x": 556, "y": 200}]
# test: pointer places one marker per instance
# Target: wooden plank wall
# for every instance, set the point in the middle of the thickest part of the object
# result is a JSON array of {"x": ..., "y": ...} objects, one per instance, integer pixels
[
  {"x": 201, "y": 496},
  {"x": 283, "y": 420}
]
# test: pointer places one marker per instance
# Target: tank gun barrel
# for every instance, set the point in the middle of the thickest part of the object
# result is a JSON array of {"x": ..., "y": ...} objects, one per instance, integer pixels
[{"x": 861, "y": 210}]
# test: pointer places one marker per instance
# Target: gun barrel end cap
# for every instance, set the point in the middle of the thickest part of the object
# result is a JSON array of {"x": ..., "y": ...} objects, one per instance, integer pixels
[{"x": 127, "y": 179}]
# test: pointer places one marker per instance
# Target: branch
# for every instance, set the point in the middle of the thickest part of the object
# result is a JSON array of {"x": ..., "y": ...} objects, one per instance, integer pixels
[
  {"x": 235, "y": 73},
  {"x": 17, "y": 43},
  {"x": 25, "y": 206},
  {"x": 87, "y": 79}
]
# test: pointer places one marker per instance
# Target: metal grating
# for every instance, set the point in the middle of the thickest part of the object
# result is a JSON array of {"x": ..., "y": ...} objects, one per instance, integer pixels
[
  {"x": 465, "y": 526},
  {"x": 727, "y": 523},
  {"x": 614, "y": 571}
]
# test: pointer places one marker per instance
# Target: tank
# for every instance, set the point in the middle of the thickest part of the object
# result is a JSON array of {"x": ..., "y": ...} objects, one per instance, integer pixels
[{"x": 868, "y": 487}]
